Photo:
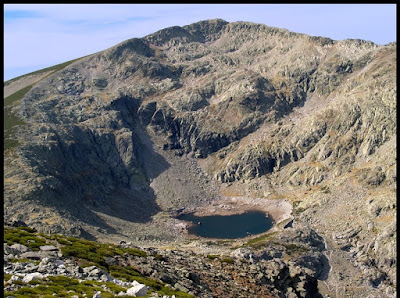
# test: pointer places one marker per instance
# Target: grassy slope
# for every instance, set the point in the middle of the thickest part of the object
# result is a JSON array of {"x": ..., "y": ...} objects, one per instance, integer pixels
[
  {"x": 51, "y": 68},
  {"x": 11, "y": 121}
]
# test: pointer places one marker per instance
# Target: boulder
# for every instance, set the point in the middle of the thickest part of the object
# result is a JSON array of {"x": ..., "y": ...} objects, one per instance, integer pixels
[
  {"x": 9, "y": 251},
  {"x": 32, "y": 276},
  {"x": 15, "y": 278},
  {"x": 105, "y": 277},
  {"x": 20, "y": 248},
  {"x": 194, "y": 277},
  {"x": 137, "y": 290},
  {"x": 48, "y": 248},
  {"x": 89, "y": 269},
  {"x": 30, "y": 255}
]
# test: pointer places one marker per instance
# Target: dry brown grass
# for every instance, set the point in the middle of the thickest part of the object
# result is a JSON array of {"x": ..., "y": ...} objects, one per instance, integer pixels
[{"x": 386, "y": 218}]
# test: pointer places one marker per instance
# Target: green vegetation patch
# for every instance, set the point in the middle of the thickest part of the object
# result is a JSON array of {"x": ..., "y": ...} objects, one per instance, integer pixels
[
  {"x": 213, "y": 257},
  {"x": 260, "y": 241},
  {"x": 227, "y": 260},
  {"x": 124, "y": 273},
  {"x": 292, "y": 248},
  {"x": 222, "y": 259},
  {"x": 94, "y": 253},
  {"x": 63, "y": 286},
  {"x": 23, "y": 235},
  {"x": 11, "y": 121},
  {"x": 15, "y": 97}
]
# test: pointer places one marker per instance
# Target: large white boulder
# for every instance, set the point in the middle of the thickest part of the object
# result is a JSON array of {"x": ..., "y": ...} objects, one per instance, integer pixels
[
  {"x": 31, "y": 276},
  {"x": 137, "y": 290}
]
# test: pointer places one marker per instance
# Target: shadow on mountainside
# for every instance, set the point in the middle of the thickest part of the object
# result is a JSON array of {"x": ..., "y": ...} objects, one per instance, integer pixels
[
  {"x": 90, "y": 173},
  {"x": 325, "y": 268}
]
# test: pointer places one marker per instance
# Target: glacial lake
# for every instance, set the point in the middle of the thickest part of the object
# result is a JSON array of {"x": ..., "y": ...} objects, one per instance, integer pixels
[{"x": 228, "y": 226}]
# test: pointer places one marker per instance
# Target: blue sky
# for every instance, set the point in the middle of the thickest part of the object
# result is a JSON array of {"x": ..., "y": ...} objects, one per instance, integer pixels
[{"x": 42, "y": 35}]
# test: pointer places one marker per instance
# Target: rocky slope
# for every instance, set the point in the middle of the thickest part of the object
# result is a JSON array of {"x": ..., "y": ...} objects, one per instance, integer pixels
[
  {"x": 196, "y": 115},
  {"x": 242, "y": 272}
]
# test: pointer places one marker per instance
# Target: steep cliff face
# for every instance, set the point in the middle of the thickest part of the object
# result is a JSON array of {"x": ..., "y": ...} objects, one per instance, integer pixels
[{"x": 188, "y": 114}]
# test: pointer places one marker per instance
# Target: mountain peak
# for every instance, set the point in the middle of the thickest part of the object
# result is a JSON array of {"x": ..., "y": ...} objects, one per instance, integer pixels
[{"x": 217, "y": 117}]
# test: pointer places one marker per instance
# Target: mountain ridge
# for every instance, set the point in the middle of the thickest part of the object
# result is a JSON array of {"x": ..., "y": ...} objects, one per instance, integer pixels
[{"x": 192, "y": 116}]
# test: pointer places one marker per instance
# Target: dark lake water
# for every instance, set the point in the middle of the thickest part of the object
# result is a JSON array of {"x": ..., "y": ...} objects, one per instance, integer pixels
[{"x": 229, "y": 226}]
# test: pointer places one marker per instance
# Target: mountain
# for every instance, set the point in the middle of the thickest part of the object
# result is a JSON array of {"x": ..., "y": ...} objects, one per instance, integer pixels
[{"x": 216, "y": 117}]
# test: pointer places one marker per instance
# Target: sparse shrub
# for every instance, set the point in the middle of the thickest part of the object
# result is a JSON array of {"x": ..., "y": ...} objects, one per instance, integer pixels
[
  {"x": 212, "y": 257},
  {"x": 292, "y": 248},
  {"x": 260, "y": 241},
  {"x": 115, "y": 288},
  {"x": 325, "y": 189},
  {"x": 227, "y": 260},
  {"x": 159, "y": 257},
  {"x": 126, "y": 273},
  {"x": 134, "y": 252},
  {"x": 299, "y": 210},
  {"x": 60, "y": 239},
  {"x": 63, "y": 280},
  {"x": 26, "y": 291}
]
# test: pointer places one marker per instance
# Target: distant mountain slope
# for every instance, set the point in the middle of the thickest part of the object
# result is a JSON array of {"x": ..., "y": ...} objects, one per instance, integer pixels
[{"x": 188, "y": 115}]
